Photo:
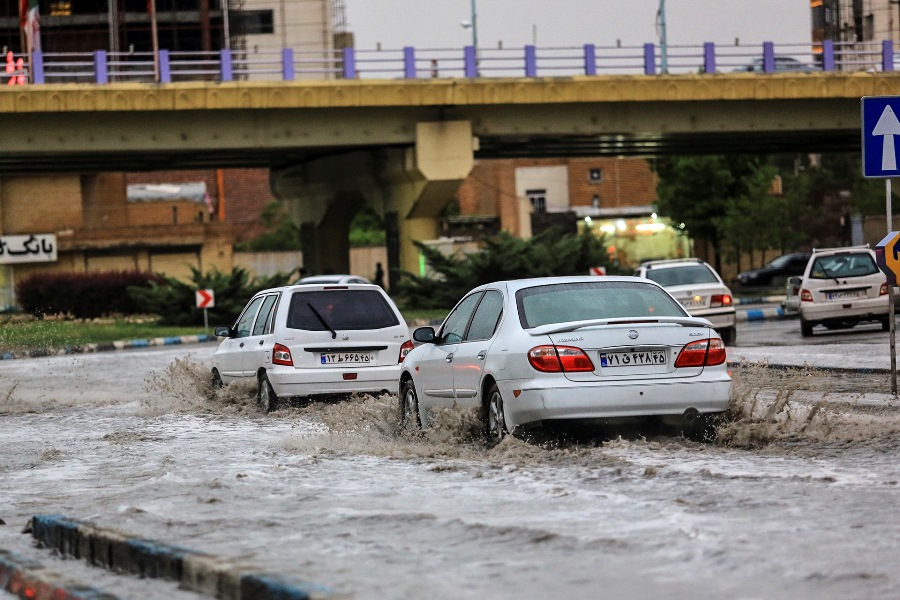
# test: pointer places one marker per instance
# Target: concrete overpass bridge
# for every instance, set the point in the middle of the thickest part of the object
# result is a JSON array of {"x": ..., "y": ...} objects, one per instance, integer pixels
[{"x": 403, "y": 146}]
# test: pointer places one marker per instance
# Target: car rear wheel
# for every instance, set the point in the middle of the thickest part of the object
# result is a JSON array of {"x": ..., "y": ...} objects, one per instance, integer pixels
[
  {"x": 494, "y": 421},
  {"x": 265, "y": 396},
  {"x": 806, "y": 328},
  {"x": 886, "y": 324},
  {"x": 729, "y": 335},
  {"x": 409, "y": 406}
]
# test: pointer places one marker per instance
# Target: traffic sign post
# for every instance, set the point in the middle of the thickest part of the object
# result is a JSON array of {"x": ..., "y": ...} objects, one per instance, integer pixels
[
  {"x": 205, "y": 299},
  {"x": 880, "y": 127}
]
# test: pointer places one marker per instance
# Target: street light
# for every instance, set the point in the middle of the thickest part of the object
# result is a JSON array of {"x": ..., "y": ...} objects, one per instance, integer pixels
[
  {"x": 663, "y": 45},
  {"x": 473, "y": 24}
]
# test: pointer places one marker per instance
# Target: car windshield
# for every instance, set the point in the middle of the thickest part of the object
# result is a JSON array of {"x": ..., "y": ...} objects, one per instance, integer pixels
[
  {"x": 778, "y": 262},
  {"x": 856, "y": 264},
  {"x": 686, "y": 275},
  {"x": 564, "y": 302},
  {"x": 340, "y": 309}
]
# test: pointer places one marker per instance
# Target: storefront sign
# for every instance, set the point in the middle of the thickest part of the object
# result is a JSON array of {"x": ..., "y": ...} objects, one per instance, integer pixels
[{"x": 15, "y": 249}]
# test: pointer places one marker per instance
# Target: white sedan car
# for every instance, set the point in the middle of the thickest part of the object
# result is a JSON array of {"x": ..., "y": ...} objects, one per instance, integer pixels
[
  {"x": 309, "y": 340},
  {"x": 532, "y": 350}
]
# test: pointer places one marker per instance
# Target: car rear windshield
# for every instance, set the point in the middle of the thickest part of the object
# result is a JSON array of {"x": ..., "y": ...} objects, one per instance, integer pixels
[
  {"x": 857, "y": 264},
  {"x": 686, "y": 275},
  {"x": 564, "y": 302},
  {"x": 340, "y": 309}
]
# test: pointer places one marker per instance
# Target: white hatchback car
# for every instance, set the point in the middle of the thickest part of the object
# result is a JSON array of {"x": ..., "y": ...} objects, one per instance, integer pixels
[
  {"x": 310, "y": 340},
  {"x": 842, "y": 287},
  {"x": 554, "y": 348},
  {"x": 697, "y": 286}
]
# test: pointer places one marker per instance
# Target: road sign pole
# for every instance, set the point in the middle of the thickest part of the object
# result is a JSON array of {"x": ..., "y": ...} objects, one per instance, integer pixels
[
  {"x": 891, "y": 326},
  {"x": 206, "y": 323}
]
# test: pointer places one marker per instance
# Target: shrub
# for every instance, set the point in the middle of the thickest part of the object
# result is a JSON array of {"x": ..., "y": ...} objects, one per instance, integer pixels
[
  {"x": 503, "y": 257},
  {"x": 175, "y": 301},
  {"x": 81, "y": 295}
]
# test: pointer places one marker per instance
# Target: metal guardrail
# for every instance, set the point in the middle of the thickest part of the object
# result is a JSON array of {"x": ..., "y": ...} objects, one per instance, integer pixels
[{"x": 166, "y": 66}]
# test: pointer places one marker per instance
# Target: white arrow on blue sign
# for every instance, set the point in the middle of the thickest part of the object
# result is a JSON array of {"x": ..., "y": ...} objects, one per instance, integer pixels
[{"x": 880, "y": 130}]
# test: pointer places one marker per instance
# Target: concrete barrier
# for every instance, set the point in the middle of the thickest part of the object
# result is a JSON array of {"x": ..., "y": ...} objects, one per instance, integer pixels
[
  {"x": 195, "y": 571},
  {"x": 30, "y": 580}
]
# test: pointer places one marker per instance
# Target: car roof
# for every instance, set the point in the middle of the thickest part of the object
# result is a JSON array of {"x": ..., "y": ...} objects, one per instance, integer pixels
[
  {"x": 312, "y": 287},
  {"x": 514, "y": 285},
  {"x": 329, "y": 279},
  {"x": 672, "y": 262},
  {"x": 844, "y": 250}
]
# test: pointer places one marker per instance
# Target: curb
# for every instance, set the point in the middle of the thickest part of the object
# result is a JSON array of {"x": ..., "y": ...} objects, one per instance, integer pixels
[
  {"x": 29, "y": 580},
  {"x": 759, "y": 314},
  {"x": 195, "y": 571},
  {"x": 787, "y": 367},
  {"x": 110, "y": 346},
  {"x": 759, "y": 299}
]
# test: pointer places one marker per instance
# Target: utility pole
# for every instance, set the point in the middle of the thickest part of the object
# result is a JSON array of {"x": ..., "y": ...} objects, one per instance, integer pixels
[
  {"x": 663, "y": 44},
  {"x": 154, "y": 34}
]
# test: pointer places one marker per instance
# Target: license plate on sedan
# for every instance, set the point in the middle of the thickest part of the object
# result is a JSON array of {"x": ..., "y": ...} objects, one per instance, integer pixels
[
  {"x": 346, "y": 358},
  {"x": 632, "y": 359},
  {"x": 845, "y": 295},
  {"x": 692, "y": 302}
]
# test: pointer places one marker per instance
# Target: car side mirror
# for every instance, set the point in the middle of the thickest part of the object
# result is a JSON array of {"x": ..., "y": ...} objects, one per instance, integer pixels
[
  {"x": 223, "y": 331},
  {"x": 424, "y": 335}
]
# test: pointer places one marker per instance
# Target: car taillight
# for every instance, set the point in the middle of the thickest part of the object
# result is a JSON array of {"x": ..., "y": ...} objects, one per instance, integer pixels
[
  {"x": 702, "y": 353},
  {"x": 404, "y": 350},
  {"x": 805, "y": 296},
  {"x": 884, "y": 290},
  {"x": 556, "y": 359},
  {"x": 281, "y": 355},
  {"x": 717, "y": 300}
]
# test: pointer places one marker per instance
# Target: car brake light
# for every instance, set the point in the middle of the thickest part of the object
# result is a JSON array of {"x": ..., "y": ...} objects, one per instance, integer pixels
[
  {"x": 718, "y": 300},
  {"x": 404, "y": 350},
  {"x": 805, "y": 296},
  {"x": 281, "y": 355},
  {"x": 884, "y": 290},
  {"x": 702, "y": 353},
  {"x": 556, "y": 359}
]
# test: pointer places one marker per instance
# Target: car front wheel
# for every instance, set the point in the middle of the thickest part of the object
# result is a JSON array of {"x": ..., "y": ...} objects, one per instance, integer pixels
[
  {"x": 265, "y": 396},
  {"x": 409, "y": 406},
  {"x": 494, "y": 421},
  {"x": 729, "y": 336}
]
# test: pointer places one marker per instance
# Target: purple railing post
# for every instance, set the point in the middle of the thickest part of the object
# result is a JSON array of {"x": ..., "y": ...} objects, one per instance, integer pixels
[
  {"x": 649, "y": 59},
  {"x": 225, "y": 67},
  {"x": 287, "y": 64},
  {"x": 101, "y": 67},
  {"x": 530, "y": 61},
  {"x": 37, "y": 67},
  {"x": 828, "y": 55},
  {"x": 165, "y": 67},
  {"x": 709, "y": 57},
  {"x": 349, "y": 63},
  {"x": 887, "y": 55},
  {"x": 409, "y": 62},
  {"x": 470, "y": 61},
  {"x": 590, "y": 59},
  {"x": 768, "y": 57}
]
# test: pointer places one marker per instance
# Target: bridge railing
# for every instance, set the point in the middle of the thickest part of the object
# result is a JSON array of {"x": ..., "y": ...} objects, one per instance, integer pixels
[{"x": 288, "y": 64}]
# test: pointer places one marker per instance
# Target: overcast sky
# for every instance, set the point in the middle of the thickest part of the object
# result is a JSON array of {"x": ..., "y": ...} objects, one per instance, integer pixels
[{"x": 436, "y": 23}]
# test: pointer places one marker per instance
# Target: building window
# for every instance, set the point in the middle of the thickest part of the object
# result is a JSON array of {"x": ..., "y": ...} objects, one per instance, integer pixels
[
  {"x": 595, "y": 175},
  {"x": 538, "y": 199},
  {"x": 249, "y": 22}
]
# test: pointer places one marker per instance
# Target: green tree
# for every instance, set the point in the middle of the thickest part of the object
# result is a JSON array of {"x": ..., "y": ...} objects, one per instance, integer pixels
[
  {"x": 281, "y": 231},
  {"x": 711, "y": 194},
  {"x": 502, "y": 257}
]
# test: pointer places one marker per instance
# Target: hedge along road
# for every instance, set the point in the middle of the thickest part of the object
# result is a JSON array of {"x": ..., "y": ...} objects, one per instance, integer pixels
[{"x": 797, "y": 498}]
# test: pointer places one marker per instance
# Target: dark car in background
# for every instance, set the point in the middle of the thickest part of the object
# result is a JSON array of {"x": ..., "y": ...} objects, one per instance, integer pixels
[{"x": 776, "y": 271}]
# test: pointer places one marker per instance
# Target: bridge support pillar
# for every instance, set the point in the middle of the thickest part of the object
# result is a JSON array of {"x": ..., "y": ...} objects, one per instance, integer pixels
[{"x": 408, "y": 187}]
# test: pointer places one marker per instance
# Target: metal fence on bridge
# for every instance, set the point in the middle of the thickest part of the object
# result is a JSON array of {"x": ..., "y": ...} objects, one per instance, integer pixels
[{"x": 101, "y": 67}]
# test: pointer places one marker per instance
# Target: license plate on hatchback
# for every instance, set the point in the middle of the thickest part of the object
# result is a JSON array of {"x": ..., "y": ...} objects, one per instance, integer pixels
[
  {"x": 845, "y": 295},
  {"x": 345, "y": 358},
  {"x": 632, "y": 359}
]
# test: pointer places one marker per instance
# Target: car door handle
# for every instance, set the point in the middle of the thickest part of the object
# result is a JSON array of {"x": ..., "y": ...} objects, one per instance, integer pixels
[
  {"x": 449, "y": 358},
  {"x": 261, "y": 342},
  {"x": 242, "y": 344},
  {"x": 482, "y": 354}
]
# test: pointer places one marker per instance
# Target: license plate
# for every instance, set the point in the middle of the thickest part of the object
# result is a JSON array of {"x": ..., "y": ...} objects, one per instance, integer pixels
[
  {"x": 695, "y": 302},
  {"x": 844, "y": 295},
  {"x": 632, "y": 359},
  {"x": 345, "y": 358}
]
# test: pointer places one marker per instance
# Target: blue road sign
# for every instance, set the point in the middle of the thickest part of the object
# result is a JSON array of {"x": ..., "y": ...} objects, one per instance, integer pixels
[{"x": 880, "y": 133}]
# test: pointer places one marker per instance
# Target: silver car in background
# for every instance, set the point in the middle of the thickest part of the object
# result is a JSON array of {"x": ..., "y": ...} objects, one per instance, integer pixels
[{"x": 560, "y": 348}]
